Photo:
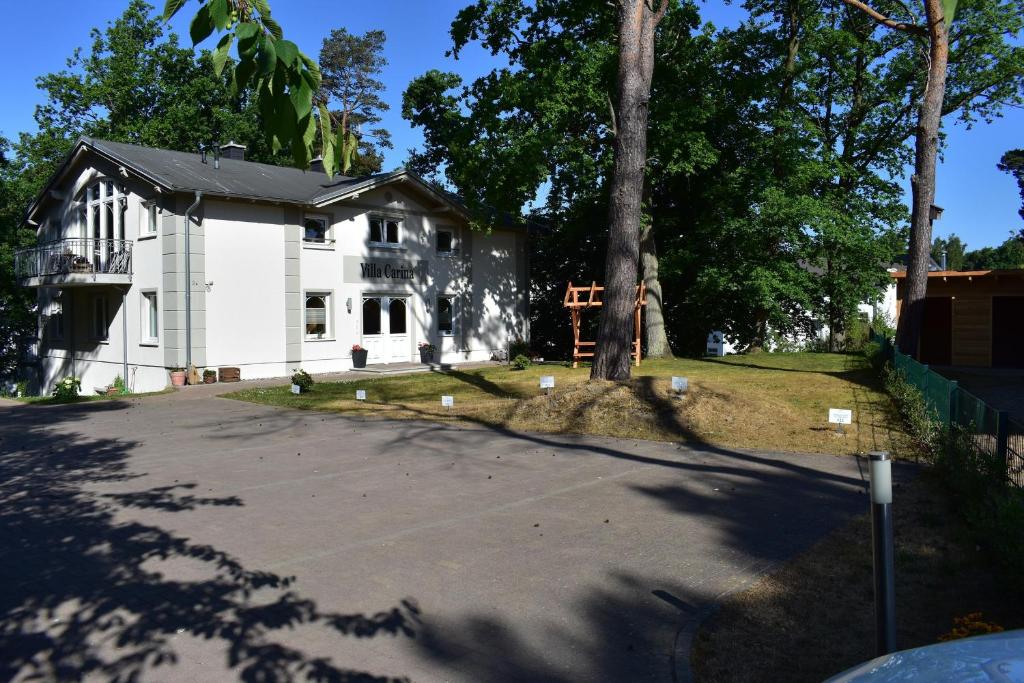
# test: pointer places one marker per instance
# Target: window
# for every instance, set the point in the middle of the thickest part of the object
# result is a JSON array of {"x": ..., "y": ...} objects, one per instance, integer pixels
[
  {"x": 384, "y": 230},
  {"x": 151, "y": 221},
  {"x": 105, "y": 211},
  {"x": 396, "y": 316},
  {"x": 317, "y": 230},
  {"x": 446, "y": 315},
  {"x": 318, "y": 316},
  {"x": 371, "y": 316},
  {"x": 100, "y": 318},
  {"x": 150, "y": 318},
  {"x": 55, "y": 320},
  {"x": 446, "y": 243}
]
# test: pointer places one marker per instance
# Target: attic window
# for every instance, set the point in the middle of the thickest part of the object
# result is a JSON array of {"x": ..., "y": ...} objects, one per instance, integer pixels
[{"x": 385, "y": 230}]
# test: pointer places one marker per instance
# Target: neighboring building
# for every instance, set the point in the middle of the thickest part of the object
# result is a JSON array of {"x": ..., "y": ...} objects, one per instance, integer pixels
[
  {"x": 288, "y": 269},
  {"x": 971, "y": 318}
]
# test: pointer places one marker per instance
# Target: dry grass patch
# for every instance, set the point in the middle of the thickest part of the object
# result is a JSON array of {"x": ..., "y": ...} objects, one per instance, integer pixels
[
  {"x": 767, "y": 401},
  {"x": 814, "y": 617}
]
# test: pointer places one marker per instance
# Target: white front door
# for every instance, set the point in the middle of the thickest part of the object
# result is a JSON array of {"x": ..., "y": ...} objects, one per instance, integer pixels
[{"x": 386, "y": 329}]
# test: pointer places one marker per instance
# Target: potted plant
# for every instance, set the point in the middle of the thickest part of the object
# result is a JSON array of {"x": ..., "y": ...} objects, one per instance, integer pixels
[
  {"x": 303, "y": 381},
  {"x": 178, "y": 377},
  {"x": 209, "y": 376},
  {"x": 427, "y": 352},
  {"x": 358, "y": 356}
]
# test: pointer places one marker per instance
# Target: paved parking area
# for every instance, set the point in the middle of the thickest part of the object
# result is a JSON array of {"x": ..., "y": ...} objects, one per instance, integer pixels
[{"x": 195, "y": 538}]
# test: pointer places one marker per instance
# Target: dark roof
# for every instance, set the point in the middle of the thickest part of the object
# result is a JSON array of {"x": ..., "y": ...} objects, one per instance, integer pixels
[{"x": 184, "y": 171}]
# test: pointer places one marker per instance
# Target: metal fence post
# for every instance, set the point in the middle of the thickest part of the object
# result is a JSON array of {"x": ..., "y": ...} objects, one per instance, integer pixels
[
  {"x": 1003, "y": 440},
  {"x": 954, "y": 402}
]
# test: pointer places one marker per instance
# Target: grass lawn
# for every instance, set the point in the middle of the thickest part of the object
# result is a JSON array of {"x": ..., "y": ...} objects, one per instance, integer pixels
[
  {"x": 765, "y": 401},
  {"x": 815, "y": 616}
]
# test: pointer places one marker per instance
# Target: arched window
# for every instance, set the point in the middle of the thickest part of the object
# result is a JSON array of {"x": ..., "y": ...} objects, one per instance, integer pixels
[{"x": 103, "y": 210}]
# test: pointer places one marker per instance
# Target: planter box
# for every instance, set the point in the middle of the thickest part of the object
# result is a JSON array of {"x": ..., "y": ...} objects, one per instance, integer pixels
[
  {"x": 229, "y": 374},
  {"x": 359, "y": 358},
  {"x": 426, "y": 356},
  {"x": 209, "y": 379}
]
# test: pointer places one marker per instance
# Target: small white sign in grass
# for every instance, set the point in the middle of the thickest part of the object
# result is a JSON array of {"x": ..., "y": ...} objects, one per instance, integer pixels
[
  {"x": 360, "y": 394},
  {"x": 447, "y": 401},
  {"x": 296, "y": 389},
  {"x": 840, "y": 417},
  {"x": 547, "y": 381},
  {"x": 680, "y": 384}
]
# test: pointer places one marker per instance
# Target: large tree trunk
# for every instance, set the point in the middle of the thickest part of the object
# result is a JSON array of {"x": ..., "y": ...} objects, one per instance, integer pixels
[
  {"x": 637, "y": 23},
  {"x": 654, "y": 318},
  {"x": 922, "y": 183}
]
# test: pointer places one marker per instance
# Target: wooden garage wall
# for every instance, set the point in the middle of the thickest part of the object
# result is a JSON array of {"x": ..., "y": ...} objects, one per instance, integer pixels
[{"x": 972, "y": 330}]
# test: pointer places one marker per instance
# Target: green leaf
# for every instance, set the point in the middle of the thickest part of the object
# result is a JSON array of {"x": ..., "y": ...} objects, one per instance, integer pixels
[
  {"x": 220, "y": 55},
  {"x": 287, "y": 51},
  {"x": 948, "y": 10},
  {"x": 266, "y": 57},
  {"x": 302, "y": 100},
  {"x": 243, "y": 72},
  {"x": 201, "y": 26},
  {"x": 219, "y": 13},
  {"x": 171, "y": 8},
  {"x": 327, "y": 140},
  {"x": 262, "y": 7},
  {"x": 272, "y": 26}
]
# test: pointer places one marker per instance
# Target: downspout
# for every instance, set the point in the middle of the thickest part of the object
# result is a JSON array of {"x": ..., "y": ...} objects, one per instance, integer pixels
[
  {"x": 124, "y": 332},
  {"x": 188, "y": 280}
]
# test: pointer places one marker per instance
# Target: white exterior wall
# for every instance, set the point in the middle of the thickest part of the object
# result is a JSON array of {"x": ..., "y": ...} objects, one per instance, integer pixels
[{"x": 245, "y": 305}]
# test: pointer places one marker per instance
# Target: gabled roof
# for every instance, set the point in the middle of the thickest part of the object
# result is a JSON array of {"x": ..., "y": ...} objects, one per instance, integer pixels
[{"x": 186, "y": 172}]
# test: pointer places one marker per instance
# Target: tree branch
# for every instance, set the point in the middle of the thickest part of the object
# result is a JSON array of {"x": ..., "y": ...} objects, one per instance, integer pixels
[{"x": 886, "y": 21}]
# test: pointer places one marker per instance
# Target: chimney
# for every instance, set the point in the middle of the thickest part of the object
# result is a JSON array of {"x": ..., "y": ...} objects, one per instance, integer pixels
[
  {"x": 317, "y": 164},
  {"x": 233, "y": 150}
]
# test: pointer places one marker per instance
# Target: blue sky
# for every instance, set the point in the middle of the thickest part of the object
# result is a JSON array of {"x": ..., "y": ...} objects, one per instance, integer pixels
[{"x": 981, "y": 203}]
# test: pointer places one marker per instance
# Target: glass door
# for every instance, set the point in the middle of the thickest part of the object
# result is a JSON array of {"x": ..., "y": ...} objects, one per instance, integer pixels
[{"x": 386, "y": 329}]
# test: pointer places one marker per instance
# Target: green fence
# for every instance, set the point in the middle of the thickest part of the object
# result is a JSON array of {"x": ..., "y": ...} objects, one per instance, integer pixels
[{"x": 985, "y": 428}]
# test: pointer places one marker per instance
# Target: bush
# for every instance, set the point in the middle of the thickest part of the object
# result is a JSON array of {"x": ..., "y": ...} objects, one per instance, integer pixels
[
  {"x": 302, "y": 379},
  {"x": 119, "y": 384},
  {"x": 67, "y": 389},
  {"x": 517, "y": 348},
  {"x": 520, "y": 362},
  {"x": 921, "y": 422}
]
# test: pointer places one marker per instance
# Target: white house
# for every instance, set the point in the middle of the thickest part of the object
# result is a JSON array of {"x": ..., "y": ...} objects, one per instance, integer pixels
[{"x": 286, "y": 269}]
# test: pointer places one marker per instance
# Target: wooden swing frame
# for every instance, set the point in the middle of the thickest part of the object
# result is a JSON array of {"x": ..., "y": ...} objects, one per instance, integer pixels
[{"x": 579, "y": 298}]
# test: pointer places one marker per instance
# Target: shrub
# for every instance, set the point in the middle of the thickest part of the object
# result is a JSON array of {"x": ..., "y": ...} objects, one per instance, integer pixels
[
  {"x": 921, "y": 422},
  {"x": 518, "y": 347},
  {"x": 520, "y": 362},
  {"x": 67, "y": 389},
  {"x": 119, "y": 384},
  {"x": 302, "y": 379}
]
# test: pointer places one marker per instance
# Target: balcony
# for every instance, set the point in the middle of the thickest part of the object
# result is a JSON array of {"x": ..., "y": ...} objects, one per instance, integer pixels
[{"x": 75, "y": 262}]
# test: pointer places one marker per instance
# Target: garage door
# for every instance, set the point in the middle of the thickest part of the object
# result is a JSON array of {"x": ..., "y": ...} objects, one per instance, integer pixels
[
  {"x": 1008, "y": 331},
  {"x": 937, "y": 333}
]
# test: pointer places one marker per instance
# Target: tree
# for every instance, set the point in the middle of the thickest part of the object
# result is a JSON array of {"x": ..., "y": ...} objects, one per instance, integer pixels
[
  {"x": 1009, "y": 254},
  {"x": 637, "y": 23},
  {"x": 282, "y": 79},
  {"x": 992, "y": 75},
  {"x": 17, "y": 308},
  {"x": 950, "y": 250},
  {"x": 1013, "y": 163},
  {"x": 350, "y": 66}
]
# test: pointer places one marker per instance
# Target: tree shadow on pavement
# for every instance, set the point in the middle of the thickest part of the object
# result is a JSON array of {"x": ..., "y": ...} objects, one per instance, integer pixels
[{"x": 85, "y": 590}]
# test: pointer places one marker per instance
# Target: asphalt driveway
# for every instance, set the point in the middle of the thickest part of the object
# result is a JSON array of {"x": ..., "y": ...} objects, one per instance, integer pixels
[{"x": 206, "y": 539}]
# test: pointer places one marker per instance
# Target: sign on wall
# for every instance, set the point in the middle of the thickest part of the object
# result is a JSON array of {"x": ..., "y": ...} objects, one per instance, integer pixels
[{"x": 360, "y": 269}]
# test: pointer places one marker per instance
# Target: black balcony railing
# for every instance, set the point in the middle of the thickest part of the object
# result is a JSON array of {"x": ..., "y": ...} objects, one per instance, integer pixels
[{"x": 75, "y": 255}]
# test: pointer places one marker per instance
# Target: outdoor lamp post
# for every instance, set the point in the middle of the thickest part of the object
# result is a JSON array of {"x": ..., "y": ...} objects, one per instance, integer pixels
[{"x": 884, "y": 552}]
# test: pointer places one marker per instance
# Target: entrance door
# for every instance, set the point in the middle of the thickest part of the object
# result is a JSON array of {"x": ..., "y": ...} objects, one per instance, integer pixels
[
  {"x": 386, "y": 329},
  {"x": 1007, "y": 331},
  {"x": 937, "y": 331}
]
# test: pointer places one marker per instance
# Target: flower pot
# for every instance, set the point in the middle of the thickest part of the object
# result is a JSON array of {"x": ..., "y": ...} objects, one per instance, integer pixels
[
  {"x": 359, "y": 358},
  {"x": 178, "y": 378},
  {"x": 209, "y": 379},
  {"x": 426, "y": 356}
]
